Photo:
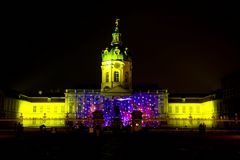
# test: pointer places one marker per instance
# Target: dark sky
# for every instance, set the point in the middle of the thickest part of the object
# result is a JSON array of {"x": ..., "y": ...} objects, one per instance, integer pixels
[{"x": 183, "y": 47}]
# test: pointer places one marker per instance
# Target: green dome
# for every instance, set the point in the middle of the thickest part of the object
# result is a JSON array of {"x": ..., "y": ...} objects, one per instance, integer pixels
[{"x": 116, "y": 53}]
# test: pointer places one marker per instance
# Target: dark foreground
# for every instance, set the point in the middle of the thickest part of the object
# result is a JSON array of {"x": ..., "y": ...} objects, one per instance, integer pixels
[{"x": 142, "y": 145}]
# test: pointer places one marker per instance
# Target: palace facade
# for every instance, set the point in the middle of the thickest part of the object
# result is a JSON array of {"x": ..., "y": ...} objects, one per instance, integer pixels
[{"x": 116, "y": 97}]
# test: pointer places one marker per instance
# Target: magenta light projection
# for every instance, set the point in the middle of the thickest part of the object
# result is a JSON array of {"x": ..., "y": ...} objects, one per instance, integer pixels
[{"x": 147, "y": 103}]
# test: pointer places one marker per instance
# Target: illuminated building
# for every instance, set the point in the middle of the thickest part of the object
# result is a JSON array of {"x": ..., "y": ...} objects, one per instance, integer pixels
[
  {"x": 116, "y": 90},
  {"x": 231, "y": 95},
  {"x": 191, "y": 110},
  {"x": 116, "y": 98}
]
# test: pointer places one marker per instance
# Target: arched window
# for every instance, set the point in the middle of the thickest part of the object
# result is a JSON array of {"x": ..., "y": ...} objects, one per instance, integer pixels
[
  {"x": 107, "y": 77},
  {"x": 116, "y": 76}
]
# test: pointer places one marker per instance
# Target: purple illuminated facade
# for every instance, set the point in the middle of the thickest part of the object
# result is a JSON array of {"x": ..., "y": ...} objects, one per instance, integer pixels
[{"x": 83, "y": 103}]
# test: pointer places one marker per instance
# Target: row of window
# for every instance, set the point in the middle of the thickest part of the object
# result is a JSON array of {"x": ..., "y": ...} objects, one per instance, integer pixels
[
  {"x": 116, "y": 76},
  {"x": 47, "y": 109},
  {"x": 10, "y": 104},
  {"x": 177, "y": 110}
]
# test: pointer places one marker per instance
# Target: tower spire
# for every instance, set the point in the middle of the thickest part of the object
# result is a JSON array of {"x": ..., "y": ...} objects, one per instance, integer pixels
[
  {"x": 116, "y": 23},
  {"x": 116, "y": 34},
  {"x": 116, "y": 66}
]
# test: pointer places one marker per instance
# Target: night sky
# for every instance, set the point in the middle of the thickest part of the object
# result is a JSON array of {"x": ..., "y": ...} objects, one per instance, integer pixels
[{"x": 182, "y": 47}]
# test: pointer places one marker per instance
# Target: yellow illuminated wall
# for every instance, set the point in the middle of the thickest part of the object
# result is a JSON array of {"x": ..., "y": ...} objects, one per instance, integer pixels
[
  {"x": 34, "y": 114},
  {"x": 38, "y": 113},
  {"x": 205, "y": 110},
  {"x": 192, "y": 114}
]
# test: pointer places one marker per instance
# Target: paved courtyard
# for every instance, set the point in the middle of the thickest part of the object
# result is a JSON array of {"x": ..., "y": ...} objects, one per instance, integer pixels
[{"x": 142, "y": 145}]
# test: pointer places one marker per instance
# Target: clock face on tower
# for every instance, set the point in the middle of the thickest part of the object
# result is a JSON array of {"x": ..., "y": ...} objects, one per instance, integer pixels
[{"x": 116, "y": 65}]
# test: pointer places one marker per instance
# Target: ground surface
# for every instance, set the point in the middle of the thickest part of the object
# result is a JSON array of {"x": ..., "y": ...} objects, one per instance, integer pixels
[{"x": 141, "y": 145}]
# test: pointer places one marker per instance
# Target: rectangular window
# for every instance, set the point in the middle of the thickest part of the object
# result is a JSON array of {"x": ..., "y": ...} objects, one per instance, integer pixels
[
  {"x": 55, "y": 109},
  {"x": 177, "y": 109},
  {"x": 41, "y": 109},
  {"x": 170, "y": 109},
  {"x": 34, "y": 108},
  {"x": 34, "y": 121},
  {"x": 62, "y": 109},
  {"x": 107, "y": 77},
  {"x": 190, "y": 109},
  {"x": 184, "y": 109},
  {"x": 198, "y": 109}
]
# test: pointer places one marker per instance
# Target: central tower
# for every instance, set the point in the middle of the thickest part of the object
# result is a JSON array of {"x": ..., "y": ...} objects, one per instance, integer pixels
[{"x": 116, "y": 67}]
